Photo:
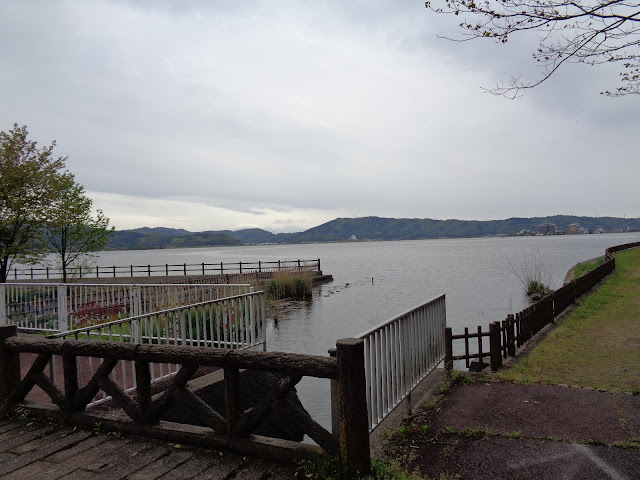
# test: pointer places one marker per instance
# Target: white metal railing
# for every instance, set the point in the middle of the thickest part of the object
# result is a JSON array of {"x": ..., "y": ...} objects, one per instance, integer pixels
[
  {"x": 235, "y": 322},
  {"x": 399, "y": 353},
  {"x": 64, "y": 307}
]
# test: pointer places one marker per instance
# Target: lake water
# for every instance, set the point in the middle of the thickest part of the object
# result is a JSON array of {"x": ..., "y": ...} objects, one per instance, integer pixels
[{"x": 475, "y": 274}]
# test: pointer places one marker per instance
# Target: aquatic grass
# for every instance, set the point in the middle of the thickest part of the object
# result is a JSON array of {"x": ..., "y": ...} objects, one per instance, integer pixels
[{"x": 287, "y": 284}]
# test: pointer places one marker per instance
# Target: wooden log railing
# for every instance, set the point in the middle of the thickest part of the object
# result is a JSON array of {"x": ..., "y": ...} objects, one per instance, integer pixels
[
  {"x": 507, "y": 336},
  {"x": 231, "y": 428}
]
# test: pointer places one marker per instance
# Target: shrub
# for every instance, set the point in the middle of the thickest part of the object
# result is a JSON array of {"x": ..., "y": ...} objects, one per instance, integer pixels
[
  {"x": 533, "y": 273},
  {"x": 537, "y": 288}
]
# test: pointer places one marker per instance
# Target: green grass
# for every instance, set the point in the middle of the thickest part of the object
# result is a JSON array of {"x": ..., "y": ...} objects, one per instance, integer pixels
[
  {"x": 598, "y": 344},
  {"x": 586, "y": 267},
  {"x": 328, "y": 468}
]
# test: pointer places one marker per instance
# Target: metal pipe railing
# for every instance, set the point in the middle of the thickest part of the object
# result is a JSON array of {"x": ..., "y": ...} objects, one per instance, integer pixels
[
  {"x": 235, "y": 322},
  {"x": 63, "y": 307},
  {"x": 399, "y": 353}
]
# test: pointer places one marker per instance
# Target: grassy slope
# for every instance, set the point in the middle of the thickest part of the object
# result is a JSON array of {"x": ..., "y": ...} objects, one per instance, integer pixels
[
  {"x": 598, "y": 345},
  {"x": 586, "y": 267}
]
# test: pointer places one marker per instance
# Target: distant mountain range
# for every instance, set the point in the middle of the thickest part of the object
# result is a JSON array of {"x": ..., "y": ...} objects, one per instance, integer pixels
[{"x": 366, "y": 228}]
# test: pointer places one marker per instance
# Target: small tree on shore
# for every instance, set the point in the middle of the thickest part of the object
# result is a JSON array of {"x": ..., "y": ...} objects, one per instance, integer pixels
[
  {"x": 42, "y": 209},
  {"x": 72, "y": 232},
  {"x": 30, "y": 179}
]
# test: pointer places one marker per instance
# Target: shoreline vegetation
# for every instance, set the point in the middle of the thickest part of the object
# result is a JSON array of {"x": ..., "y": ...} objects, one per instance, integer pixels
[
  {"x": 596, "y": 345},
  {"x": 364, "y": 229}
]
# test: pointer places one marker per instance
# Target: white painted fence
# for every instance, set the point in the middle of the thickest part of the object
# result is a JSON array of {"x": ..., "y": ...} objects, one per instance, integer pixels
[
  {"x": 399, "y": 353},
  {"x": 235, "y": 322},
  {"x": 64, "y": 307}
]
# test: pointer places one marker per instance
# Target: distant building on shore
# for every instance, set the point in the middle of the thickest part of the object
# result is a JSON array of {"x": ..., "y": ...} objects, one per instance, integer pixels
[
  {"x": 574, "y": 229},
  {"x": 547, "y": 228}
]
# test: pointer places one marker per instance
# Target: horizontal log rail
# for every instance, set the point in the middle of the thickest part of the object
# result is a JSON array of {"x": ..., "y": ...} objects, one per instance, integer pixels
[
  {"x": 229, "y": 323},
  {"x": 507, "y": 336},
  {"x": 222, "y": 268},
  {"x": 351, "y": 440}
]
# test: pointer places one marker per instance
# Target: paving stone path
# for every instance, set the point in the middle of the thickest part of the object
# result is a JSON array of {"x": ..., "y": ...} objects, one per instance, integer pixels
[{"x": 36, "y": 450}]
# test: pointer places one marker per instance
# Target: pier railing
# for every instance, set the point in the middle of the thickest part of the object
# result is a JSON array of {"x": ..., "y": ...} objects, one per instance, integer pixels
[
  {"x": 230, "y": 428},
  {"x": 63, "y": 307},
  {"x": 235, "y": 323},
  {"x": 222, "y": 268},
  {"x": 399, "y": 353},
  {"x": 507, "y": 336}
]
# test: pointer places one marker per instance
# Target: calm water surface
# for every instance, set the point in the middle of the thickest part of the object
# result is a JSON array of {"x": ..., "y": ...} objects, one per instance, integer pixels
[{"x": 475, "y": 274}]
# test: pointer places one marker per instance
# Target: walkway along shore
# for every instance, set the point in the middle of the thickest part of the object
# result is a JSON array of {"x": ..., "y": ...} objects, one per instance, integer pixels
[{"x": 585, "y": 424}]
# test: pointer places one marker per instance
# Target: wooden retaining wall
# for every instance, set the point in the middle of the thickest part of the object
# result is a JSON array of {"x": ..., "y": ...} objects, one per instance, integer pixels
[{"x": 507, "y": 336}]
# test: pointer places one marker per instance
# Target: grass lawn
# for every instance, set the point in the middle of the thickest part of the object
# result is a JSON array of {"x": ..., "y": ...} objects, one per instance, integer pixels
[
  {"x": 586, "y": 267},
  {"x": 598, "y": 344}
]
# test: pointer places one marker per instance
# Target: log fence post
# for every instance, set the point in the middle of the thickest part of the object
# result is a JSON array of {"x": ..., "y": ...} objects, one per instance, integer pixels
[
  {"x": 355, "y": 453},
  {"x": 448, "y": 351},
  {"x": 143, "y": 389},
  {"x": 9, "y": 364},
  {"x": 494, "y": 346},
  {"x": 511, "y": 336},
  {"x": 231, "y": 396},
  {"x": 335, "y": 418},
  {"x": 70, "y": 373}
]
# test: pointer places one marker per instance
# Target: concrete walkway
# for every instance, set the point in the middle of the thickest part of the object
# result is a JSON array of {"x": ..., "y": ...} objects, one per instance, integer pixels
[
  {"x": 489, "y": 430},
  {"x": 36, "y": 450}
]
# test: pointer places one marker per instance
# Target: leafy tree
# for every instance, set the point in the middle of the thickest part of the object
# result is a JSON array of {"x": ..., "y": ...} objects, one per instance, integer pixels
[
  {"x": 582, "y": 31},
  {"x": 72, "y": 233},
  {"x": 30, "y": 178}
]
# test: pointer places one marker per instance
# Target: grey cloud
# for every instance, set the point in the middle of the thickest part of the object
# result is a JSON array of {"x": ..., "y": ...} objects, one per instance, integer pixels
[{"x": 332, "y": 106}]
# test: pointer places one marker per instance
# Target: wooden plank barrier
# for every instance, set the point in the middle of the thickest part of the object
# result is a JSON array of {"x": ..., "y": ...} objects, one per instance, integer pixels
[
  {"x": 231, "y": 429},
  {"x": 506, "y": 337}
]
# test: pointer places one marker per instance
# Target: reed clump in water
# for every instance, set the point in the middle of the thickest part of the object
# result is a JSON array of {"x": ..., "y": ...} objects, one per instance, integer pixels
[{"x": 286, "y": 284}]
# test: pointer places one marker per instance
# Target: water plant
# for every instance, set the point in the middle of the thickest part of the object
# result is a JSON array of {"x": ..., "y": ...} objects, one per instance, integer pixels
[
  {"x": 286, "y": 284},
  {"x": 533, "y": 273}
]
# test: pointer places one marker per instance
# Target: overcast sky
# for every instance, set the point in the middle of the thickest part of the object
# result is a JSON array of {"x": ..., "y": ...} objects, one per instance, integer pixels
[{"x": 283, "y": 115}]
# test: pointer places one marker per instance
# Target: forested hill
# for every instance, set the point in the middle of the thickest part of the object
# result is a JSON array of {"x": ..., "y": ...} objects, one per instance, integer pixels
[
  {"x": 376, "y": 228},
  {"x": 149, "y": 238},
  {"x": 365, "y": 228}
]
